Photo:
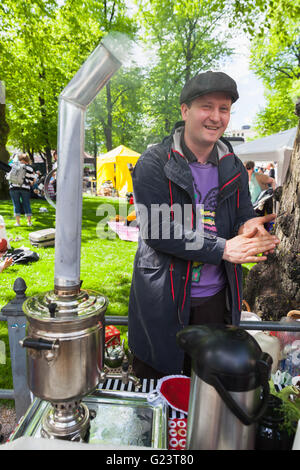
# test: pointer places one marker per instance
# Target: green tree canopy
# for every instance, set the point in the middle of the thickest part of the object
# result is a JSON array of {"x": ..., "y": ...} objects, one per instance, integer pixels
[
  {"x": 185, "y": 38},
  {"x": 275, "y": 57},
  {"x": 42, "y": 46}
]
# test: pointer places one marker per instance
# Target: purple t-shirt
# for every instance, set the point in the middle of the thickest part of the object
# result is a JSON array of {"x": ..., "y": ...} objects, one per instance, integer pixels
[{"x": 207, "y": 279}]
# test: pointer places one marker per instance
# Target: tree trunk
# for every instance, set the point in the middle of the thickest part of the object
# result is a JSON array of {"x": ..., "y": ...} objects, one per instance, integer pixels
[
  {"x": 272, "y": 288},
  {"x": 30, "y": 152},
  {"x": 95, "y": 150},
  {"x": 108, "y": 126},
  {"x": 4, "y": 155},
  {"x": 48, "y": 158},
  {"x": 47, "y": 146}
]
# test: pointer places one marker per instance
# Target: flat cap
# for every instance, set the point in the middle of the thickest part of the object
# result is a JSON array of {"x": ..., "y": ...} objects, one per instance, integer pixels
[{"x": 208, "y": 82}]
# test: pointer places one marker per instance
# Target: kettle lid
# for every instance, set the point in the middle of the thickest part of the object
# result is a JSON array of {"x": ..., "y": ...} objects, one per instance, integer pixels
[{"x": 228, "y": 352}]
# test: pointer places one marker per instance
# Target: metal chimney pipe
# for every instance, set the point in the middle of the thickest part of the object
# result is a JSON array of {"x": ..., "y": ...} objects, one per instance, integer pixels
[
  {"x": 2, "y": 92},
  {"x": 98, "y": 69}
]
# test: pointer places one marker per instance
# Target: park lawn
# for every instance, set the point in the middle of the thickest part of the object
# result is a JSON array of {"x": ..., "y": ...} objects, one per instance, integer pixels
[{"x": 106, "y": 264}]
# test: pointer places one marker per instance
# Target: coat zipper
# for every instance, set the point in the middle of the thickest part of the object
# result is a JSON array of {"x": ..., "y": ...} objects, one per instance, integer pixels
[
  {"x": 171, "y": 268},
  {"x": 237, "y": 287},
  {"x": 188, "y": 268},
  {"x": 187, "y": 277}
]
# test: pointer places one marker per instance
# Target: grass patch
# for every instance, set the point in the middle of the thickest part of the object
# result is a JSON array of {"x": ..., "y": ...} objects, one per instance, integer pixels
[{"x": 106, "y": 264}]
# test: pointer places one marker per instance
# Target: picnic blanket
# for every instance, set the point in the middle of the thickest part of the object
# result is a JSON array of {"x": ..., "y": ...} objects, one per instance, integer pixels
[{"x": 127, "y": 233}]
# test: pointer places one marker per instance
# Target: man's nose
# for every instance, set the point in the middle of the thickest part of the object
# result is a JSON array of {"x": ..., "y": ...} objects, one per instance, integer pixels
[{"x": 214, "y": 115}]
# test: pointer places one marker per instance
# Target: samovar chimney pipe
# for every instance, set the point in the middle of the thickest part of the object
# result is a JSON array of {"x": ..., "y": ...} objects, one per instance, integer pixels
[{"x": 98, "y": 69}]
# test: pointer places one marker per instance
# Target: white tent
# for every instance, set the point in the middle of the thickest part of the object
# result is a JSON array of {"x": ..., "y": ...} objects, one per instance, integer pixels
[{"x": 273, "y": 148}]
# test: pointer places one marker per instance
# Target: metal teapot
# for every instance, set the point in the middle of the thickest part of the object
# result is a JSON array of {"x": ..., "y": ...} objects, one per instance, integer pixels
[{"x": 114, "y": 355}]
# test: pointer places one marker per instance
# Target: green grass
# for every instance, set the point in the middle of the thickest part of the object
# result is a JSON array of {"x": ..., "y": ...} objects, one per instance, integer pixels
[{"x": 106, "y": 264}]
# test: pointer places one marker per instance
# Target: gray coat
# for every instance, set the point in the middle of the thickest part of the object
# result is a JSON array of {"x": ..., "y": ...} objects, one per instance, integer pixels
[{"x": 159, "y": 304}]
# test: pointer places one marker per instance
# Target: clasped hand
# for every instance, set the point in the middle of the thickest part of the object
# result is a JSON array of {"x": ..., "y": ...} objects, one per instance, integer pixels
[{"x": 252, "y": 239}]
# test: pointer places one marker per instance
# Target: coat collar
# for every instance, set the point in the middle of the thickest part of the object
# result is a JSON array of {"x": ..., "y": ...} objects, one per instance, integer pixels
[
  {"x": 178, "y": 145},
  {"x": 178, "y": 171}
]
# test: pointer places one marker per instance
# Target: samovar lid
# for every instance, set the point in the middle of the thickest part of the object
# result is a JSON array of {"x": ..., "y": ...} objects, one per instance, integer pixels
[{"x": 50, "y": 307}]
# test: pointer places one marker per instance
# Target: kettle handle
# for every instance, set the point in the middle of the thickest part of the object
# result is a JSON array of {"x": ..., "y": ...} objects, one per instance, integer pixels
[{"x": 244, "y": 417}]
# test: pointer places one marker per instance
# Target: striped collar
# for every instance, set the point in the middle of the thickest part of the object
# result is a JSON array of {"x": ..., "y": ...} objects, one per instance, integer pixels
[
  {"x": 180, "y": 146},
  {"x": 191, "y": 157}
]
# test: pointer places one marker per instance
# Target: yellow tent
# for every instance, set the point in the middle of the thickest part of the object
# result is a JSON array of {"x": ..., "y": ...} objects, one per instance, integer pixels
[{"x": 113, "y": 166}]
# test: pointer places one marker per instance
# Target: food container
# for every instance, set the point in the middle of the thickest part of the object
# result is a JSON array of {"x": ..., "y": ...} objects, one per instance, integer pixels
[
  {"x": 112, "y": 335},
  {"x": 271, "y": 345}
]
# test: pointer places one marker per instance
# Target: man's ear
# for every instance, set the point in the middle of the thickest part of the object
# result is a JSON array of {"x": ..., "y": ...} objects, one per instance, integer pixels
[{"x": 184, "y": 108}]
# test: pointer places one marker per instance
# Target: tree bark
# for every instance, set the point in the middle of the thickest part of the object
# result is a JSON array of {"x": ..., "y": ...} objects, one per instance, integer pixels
[
  {"x": 4, "y": 154},
  {"x": 95, "y": 151},
  {"x": 47, "y": 146},
  {"x": 272, "y": 288},
  {"x": 108, "y": 125}
]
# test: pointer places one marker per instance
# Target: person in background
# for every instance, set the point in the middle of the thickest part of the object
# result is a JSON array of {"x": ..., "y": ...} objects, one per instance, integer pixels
[
  {"x": 3, "y": 234},
  {"x": 5, "y": 262},
  {"x": 54, "y": 166},
  {"x": 258, "y": 182},
  {"x": 52, "y": 187},
  {"x": 271, "y": 170},
  {"x": 38, "y": 187},
  {"x": 20, "y": 194}
]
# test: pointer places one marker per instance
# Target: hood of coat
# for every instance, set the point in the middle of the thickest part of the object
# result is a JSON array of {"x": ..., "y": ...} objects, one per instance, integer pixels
[
  {"x": 177, "y": 168},
  {"x": 223, "y": 146}
]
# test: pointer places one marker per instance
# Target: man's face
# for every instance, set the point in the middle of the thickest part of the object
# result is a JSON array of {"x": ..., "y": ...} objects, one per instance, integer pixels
[{"x": 207, "y": 117}]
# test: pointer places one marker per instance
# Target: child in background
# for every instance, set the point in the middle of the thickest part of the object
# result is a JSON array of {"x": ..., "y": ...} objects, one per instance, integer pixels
[
  {"x": 3, "y": 231},
  {"x": 4, "y": 261}
]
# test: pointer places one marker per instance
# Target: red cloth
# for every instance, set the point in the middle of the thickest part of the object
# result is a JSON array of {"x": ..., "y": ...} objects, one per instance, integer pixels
[
  {"x": 177, "y": 429},
  {"x": 176, "y": 390},
  {"x": 3, "y": 245}
]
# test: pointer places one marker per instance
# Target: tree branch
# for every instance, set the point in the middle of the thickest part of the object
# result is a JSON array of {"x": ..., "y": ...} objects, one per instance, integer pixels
[
  {"x": 281, "y": 70},
  {"x": 112, "y": 13},
  {"x": 118, "y": 96}
]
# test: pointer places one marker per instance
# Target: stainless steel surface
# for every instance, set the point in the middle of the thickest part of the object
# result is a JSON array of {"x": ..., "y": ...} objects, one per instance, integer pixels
[
  {"x": 100, "y": 66},
  {"x": 69, "y": 421},
  {"x": 69, "y": 194},
  {"x": 2, "y": 92},
  {"x": 246, "y": 325},
  {"x": 291, "y": 326},
  {"x": 81, "y": 307},
  {"x": 72, "y": 369},
  {"x": 118, "y": 418},
  {"x": 125, "y": 377},
  {"x": 211, "y": 425}
]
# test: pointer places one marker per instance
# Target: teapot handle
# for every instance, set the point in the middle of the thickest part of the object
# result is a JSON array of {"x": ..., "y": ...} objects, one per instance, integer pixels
[{"x": 243, "y": 416}]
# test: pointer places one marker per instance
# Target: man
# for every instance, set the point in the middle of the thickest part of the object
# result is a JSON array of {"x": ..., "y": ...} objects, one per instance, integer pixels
[{"x": 193, "y": 275}]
